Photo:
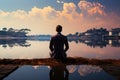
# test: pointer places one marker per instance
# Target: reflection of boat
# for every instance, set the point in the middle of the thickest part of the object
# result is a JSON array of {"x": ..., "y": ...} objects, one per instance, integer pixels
[{"x": 14, "y": 42}]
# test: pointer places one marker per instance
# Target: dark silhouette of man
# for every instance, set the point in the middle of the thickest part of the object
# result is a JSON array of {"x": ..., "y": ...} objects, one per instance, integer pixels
[
  {"x": 57, "y": 44},
  {"x": 59, "y": 72}
]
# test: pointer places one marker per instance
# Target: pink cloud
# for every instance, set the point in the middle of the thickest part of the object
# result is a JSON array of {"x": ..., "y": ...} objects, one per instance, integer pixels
[
  {"x": 91, "y": 8},
  {"x": 3, "y": 14},
  {"x": 44, "y": 20}
]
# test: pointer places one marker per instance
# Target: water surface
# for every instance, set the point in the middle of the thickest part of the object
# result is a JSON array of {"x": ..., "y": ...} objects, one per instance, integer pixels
[
  {"x": 30, "y": 49},
  {"x": 60, "y": 72}
]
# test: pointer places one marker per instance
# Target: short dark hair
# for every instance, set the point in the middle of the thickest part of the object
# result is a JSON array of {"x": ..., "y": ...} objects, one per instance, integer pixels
[{"x": 59, "y": 28}]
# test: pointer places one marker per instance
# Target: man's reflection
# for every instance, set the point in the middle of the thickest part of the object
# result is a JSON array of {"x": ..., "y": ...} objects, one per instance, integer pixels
[{"x": 59, "y": 72}]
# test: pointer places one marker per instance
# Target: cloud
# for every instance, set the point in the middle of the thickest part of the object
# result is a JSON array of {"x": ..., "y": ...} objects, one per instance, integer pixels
[
  {"x": 3, "y": 14},
  {"x": 19, "y": 14},
  {"x": 44, "y": 20},
  {"x": 69, "y": 8},
  {"x": 46, "y": 12},
  {"x": 91, "y": 7},
  {"x": 69, "y": 11},
  {"x": 60, "y": 1}
]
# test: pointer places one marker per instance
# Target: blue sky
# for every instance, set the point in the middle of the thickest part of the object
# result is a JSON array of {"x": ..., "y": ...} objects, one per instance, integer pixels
[
  {"x": 8, "y": 5},
  {"x": 42, "y": 16},
  {"x": 11, "y": 5}
]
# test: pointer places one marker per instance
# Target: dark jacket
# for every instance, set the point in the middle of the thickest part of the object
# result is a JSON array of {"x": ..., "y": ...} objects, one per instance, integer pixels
[{"x": 56, "y": 46}]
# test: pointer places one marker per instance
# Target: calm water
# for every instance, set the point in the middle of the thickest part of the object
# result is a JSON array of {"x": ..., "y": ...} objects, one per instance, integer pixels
[
  {"x": 60, "y": 72},
  {"x": 28, "y": 49}
]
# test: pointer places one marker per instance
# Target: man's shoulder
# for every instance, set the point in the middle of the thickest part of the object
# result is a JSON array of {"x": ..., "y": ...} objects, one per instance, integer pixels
[
  {"x": 53, "y": 36},
  {"x": 64, "y": 36},
  {"x": 58, "y": 35}
]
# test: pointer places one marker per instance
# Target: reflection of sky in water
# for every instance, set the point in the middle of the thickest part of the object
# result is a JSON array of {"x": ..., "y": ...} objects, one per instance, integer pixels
[
  {"x": 40, "y": 49},
  {"x": 76, "y": 72},
  {"x": 30, "y": 73},
  {"x": 86, "y": 70}
]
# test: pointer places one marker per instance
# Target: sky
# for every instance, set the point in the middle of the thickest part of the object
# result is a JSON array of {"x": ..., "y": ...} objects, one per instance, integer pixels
[{"x": 42, "y": 16}]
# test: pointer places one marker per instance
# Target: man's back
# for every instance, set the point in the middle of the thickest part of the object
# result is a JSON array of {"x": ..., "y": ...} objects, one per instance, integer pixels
[{"x": 57, "y": 44}]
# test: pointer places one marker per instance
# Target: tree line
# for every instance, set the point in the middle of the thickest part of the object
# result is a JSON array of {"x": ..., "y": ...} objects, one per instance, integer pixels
[{"x": 10, "y": 32}]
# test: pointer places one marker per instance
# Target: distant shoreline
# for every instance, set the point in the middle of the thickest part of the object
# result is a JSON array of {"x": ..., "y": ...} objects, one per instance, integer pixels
[{"x": 9, "y": 38}]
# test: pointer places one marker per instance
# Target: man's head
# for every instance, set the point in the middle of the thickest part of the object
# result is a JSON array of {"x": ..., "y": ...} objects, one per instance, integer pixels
[{"x": 59, "y": 28}]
